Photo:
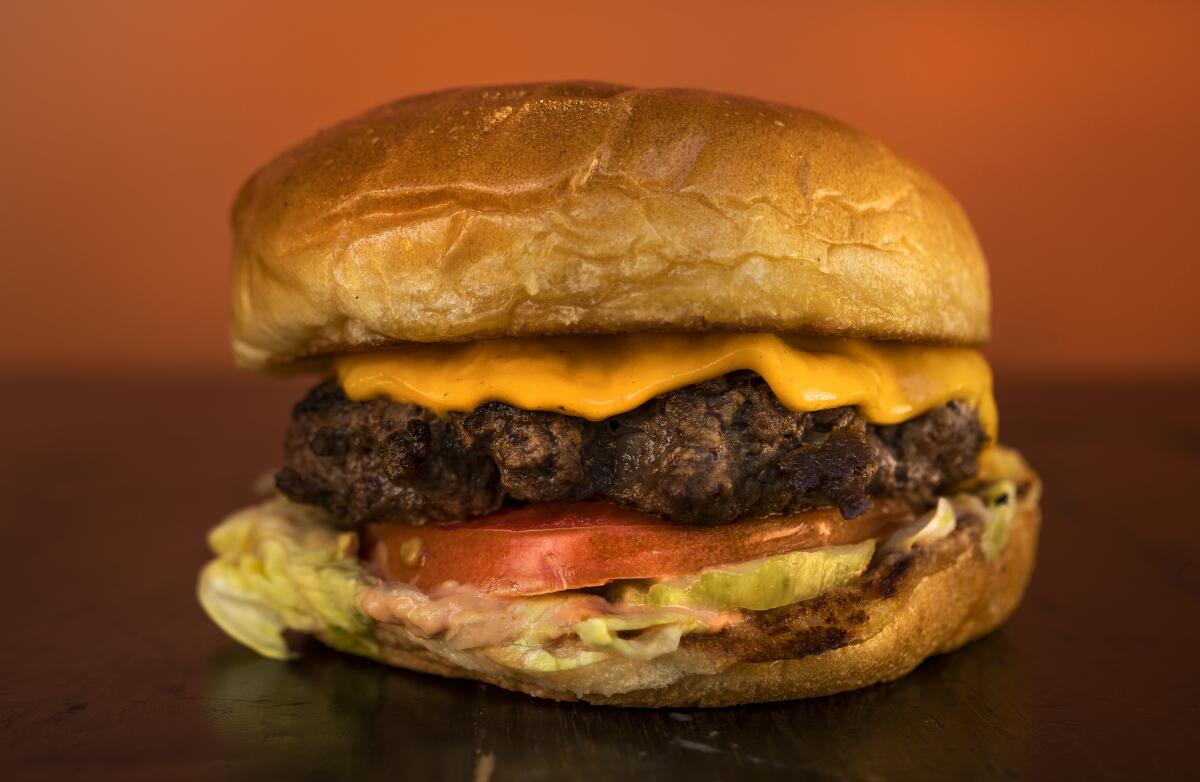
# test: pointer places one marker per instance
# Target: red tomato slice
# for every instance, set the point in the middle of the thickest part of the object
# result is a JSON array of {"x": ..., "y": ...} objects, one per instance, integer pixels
[{"x": 550, "y": 547}]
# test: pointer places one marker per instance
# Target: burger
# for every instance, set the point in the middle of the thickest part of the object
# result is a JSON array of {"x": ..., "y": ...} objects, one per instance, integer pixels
[{"x": 638, "y": 397}]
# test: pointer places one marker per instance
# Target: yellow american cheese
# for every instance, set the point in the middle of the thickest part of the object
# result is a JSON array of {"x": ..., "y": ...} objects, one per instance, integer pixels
[{"x": 595, "y": 377}]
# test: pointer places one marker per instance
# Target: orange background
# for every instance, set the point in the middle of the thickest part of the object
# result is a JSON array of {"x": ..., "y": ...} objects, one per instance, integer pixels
[{"x": 1070, "y": 134}]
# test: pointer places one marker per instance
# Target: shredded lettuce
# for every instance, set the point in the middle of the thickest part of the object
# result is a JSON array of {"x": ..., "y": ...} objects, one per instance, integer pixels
[
  {"x": 1000, "y": 499},
  {"x": 656, "y": 633},
  {"x": 535, "y": 657},
  {"x": 996, "y": 504},
  {"x": 281, "y": 566}
]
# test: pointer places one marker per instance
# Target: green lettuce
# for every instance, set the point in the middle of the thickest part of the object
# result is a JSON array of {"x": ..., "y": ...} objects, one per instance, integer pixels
[
  {"x": 996, "y": 504},
  {"x": 281, "y": 566},
  {"x": 1000, "y": 499},
  {"x": 656, "y": 633},
  {"x": 535, "y": 657}
]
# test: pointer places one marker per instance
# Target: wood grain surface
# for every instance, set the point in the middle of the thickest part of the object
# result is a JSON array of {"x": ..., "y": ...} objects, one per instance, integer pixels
[{"x": 109, "y": 670}]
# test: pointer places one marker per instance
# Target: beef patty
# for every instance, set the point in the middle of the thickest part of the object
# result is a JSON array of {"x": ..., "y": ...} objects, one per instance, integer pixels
[{"x": 709, "y": 453}]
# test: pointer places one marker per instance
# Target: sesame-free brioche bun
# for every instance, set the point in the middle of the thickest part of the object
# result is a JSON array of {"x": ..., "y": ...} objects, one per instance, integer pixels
[
  {"x": 575, "y": 208},
  {"x": 904, "y": 609}
]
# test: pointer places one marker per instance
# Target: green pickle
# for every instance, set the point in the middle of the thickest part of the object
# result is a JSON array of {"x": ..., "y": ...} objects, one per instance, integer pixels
[{"x": 761, "y": 584}]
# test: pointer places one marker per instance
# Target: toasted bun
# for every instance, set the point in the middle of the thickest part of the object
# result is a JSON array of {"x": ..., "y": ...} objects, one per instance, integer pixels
[
  {"x": 946, "y": 596},
  {"x": 592, "y": 208}
]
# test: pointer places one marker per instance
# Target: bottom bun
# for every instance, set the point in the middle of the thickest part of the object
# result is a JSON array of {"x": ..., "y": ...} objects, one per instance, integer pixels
[{"x": 930, "y": 601}]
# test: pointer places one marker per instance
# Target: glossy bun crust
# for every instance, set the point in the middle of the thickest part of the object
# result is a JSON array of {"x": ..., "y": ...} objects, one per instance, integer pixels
[
  {"x": 933, "y": 601},
  {"x": 592, "y": 208}
]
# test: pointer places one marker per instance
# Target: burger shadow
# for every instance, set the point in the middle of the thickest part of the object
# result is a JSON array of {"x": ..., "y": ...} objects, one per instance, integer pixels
[{"x": 327, "y": 715}]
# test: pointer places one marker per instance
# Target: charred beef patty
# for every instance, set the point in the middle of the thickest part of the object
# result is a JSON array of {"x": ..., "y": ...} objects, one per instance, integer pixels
[{"x": 709, "y": 453}]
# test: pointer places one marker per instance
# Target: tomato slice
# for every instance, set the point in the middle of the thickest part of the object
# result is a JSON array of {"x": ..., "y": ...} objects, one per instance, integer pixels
[{"x": 550, "y": 547}]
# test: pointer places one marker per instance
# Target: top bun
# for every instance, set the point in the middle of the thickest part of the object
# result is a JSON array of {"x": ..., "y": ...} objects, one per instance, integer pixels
[{"x": 578, "y": 208}]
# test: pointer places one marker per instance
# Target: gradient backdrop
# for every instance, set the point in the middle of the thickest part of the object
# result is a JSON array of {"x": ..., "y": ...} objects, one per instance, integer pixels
[{"x": 1068, "y": 131}]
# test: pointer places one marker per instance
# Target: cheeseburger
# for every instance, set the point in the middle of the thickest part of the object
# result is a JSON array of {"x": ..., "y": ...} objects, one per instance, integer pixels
[{"x": 639, "y": 397}]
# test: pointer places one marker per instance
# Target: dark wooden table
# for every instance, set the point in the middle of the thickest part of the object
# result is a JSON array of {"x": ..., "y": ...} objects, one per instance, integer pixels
[{"x": 109, "y": 670}]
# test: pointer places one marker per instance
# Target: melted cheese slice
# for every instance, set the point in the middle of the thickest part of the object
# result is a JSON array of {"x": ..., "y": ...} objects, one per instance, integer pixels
[{"x": 595, "y": 377}]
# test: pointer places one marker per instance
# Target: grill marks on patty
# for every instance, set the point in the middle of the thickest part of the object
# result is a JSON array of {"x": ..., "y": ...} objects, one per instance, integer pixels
[
  {"x": 709, "y": 453},
  {"x": 378, "y": 459}
]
